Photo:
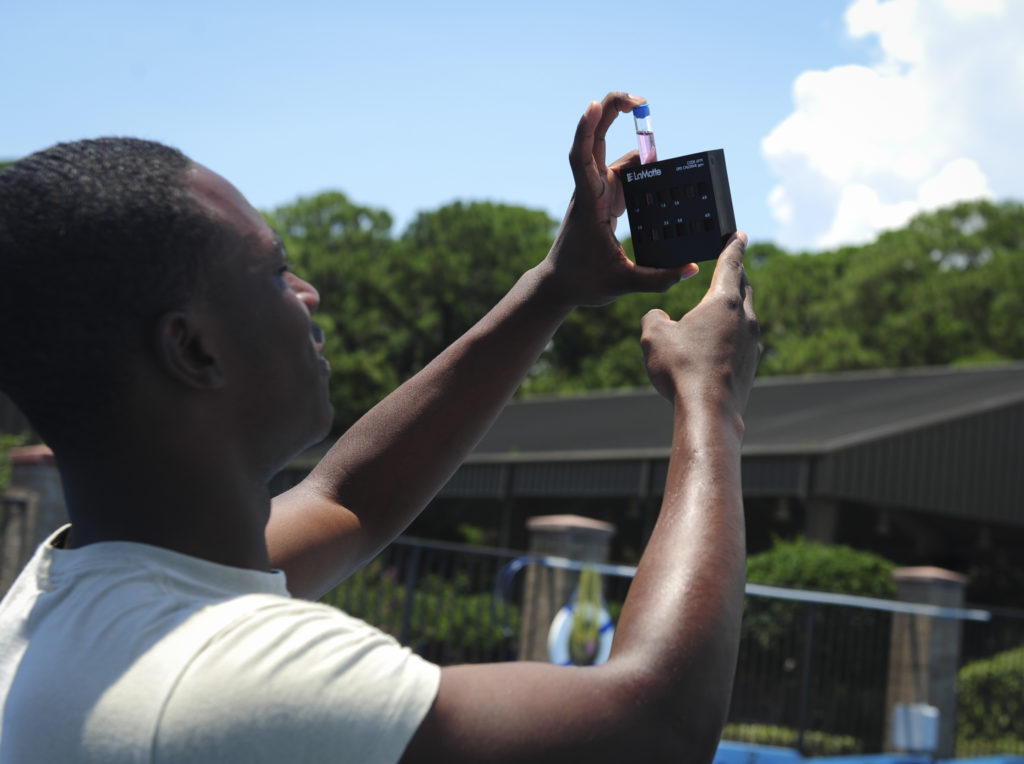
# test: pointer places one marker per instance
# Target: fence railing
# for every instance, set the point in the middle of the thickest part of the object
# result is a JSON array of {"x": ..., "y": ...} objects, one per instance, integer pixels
[
  {"x": 813, "y": 669},
  {"x": 437, "y": 598}
]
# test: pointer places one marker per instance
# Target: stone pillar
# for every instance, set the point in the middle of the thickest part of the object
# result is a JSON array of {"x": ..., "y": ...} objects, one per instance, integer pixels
[
  {"x": 546, "y": 590},
  {"x": 33, "y": 468},
  {"x": 30, "y": 509},
  {"x": 924, "y": 655},
  {"x": 18, "y": 510}
]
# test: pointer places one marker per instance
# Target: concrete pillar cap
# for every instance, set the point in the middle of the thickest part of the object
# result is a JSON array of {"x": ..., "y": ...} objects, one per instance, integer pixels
[
  {"x": 929, "y": 573},
  {"x": 31, "y": 455},
  {"x": 557, "y": 523}
]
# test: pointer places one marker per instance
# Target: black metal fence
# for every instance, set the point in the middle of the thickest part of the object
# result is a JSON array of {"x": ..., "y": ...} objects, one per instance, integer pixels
[
  {"x": 811, "y": 675},
  {"x": 438, "y": 598},
  {"x": 813, "y": 671}
]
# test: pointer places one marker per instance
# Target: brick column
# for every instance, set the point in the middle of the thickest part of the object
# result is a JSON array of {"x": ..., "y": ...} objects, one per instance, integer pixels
[
  {"x": 30, "y": 509},
  {"x": 546, "y": 590},
  {"x": 33, "y": 468},
  {"x": 924, "y": 655}
]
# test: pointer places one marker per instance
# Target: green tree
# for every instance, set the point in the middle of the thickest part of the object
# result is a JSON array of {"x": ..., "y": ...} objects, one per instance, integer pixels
[
  {"x": 599, "y": 348},
  {"x": 942, "y": 290},
  {"x": 344, "y": 249},
  {"x": 948, "y": 288},
  {"x": 458, "y": 261},
  {"x": 388, "y": 305}
]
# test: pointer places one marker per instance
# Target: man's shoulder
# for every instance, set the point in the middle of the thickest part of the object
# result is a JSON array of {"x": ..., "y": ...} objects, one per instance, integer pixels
[
  {"x": 288, "y": 676},
  {"x": 186, "y": 665}
]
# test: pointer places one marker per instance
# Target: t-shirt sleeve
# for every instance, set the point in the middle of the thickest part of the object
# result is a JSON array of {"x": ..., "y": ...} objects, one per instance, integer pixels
[{"x": 298, "y": 682}]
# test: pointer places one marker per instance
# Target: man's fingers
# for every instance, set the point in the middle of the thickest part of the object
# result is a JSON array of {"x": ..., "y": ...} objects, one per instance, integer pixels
[
  {"x": 587, "y": 156},
  {"x": 645, "y": 279},
  {"x": 610, "y": 108},
  {"x": 629, "y": 159},
  {"x": 748, "y": 294},
  {"x": 652, "y": 316},
  {"x": 613, "y": 104},
  {"x": 581, "y": 156},
  {"x": 729, "y": 272}
]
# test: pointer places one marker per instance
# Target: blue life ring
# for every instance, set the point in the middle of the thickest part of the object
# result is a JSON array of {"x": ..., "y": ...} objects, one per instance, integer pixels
[{"x": 561, "y": 631}]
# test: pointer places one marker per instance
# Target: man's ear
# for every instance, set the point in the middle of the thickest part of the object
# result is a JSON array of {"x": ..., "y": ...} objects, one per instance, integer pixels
[{"x": 184, "y": 351}]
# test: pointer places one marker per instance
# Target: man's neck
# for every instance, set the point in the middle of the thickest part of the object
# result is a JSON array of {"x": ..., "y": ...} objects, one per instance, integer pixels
[{"x": 202, "y": 510}]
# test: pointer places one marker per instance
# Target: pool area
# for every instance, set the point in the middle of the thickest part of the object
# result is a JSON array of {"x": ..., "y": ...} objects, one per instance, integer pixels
[{"x": 744, "y": 753}]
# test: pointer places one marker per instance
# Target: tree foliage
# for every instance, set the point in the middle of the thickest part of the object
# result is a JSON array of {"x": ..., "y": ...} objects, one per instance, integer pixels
[
  {"x": 942, "y": 290},
  {"x": 945, "y": 289},
  {"x": 343, "y": 248},
  {"x": 389, "y": 305}
]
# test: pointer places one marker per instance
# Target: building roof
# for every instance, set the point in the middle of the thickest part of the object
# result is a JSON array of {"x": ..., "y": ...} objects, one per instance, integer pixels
[
  {"x": 786, "y": 415},
  {"x": 939, "y": 440}
]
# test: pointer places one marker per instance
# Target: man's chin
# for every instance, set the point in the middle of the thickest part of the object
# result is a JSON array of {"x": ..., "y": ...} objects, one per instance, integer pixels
[
  {"x": 327, "y": 421},
  {"x": 319, "y": 428}
]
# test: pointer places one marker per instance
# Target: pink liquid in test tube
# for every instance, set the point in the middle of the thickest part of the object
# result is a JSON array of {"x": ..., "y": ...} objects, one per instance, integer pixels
[
  {"x": 644, "y": 134},
  {"x": 648, "y": 153}
]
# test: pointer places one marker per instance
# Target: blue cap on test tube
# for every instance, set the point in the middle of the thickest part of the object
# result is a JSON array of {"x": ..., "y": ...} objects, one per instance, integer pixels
[{"x": 641, "y": 111}]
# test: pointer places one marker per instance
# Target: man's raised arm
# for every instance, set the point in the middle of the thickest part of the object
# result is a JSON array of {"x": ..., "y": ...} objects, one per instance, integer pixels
[
  {"x": 390, "y": 464},
  {"x": 664, "y": 693}
]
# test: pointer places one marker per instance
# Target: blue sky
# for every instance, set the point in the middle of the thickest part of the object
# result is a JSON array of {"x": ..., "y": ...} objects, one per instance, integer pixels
[{"x": 838, "y": 117}]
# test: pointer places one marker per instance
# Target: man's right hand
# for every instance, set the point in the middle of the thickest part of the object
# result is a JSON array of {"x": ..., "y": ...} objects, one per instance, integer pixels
[{"x": 713, "y": 350}]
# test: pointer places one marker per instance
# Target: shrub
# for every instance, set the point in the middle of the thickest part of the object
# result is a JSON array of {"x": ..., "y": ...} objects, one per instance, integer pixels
[
  {"x": 7, "y": 442},
  {"x": 990, "y": 714},
  {"x": 784, "y": 640},
  {"x": 810, "y": 565},
  {"x": 815, "y": 743},
  {"x": 443, "y": 619}
]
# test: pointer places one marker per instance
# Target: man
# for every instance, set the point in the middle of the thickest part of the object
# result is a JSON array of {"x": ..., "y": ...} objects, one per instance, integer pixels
[{"x": 168, "y": 356}]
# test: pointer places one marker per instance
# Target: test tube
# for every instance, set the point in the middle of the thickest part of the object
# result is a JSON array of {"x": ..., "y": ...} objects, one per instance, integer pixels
[{"x": 644, "y": 133}]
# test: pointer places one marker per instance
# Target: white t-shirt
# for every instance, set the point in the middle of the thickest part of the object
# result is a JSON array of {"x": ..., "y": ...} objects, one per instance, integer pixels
[{"x": 122, "y": 652}]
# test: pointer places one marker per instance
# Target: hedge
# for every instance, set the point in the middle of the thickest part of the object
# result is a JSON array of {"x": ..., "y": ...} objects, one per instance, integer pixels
[{"x": 990, "y": 716}]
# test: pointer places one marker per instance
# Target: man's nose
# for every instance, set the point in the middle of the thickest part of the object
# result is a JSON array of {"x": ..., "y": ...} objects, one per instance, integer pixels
[{"x": 306, "y": 292}]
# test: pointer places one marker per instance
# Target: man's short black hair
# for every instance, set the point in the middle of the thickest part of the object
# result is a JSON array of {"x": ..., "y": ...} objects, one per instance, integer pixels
[{"x": 98, "y": 238}]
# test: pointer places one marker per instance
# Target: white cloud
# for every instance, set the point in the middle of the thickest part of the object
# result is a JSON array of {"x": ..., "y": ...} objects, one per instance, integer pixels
[
  {"x": 936, "y": 119},
  {"x": 781, "y": 207},
  {"x": 861, "y": 213},
  {"x": 959, "y": 179}
]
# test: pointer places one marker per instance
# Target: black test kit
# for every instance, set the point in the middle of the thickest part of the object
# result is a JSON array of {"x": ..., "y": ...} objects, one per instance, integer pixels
[{"x": 680, "y": 210}]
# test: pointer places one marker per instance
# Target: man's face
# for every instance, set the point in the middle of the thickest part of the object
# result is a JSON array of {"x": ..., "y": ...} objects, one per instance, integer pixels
[{"x": 261, "y": 321}]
